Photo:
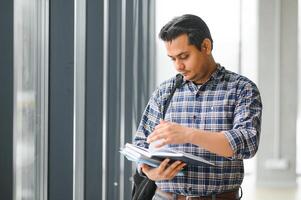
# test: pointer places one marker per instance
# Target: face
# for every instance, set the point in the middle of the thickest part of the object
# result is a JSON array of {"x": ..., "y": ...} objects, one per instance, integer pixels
[{"x": 191, "y": 62}]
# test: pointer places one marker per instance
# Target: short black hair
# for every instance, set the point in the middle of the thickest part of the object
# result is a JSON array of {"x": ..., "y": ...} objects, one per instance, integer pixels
[{"x": 192, "y": 25}]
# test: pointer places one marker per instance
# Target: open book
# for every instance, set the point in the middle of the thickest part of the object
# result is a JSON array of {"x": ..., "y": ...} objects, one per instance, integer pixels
[{"x": 154, "y": 158}]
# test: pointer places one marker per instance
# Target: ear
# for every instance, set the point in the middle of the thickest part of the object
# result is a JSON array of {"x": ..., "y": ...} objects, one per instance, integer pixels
[{"x": 206, "y": 46}]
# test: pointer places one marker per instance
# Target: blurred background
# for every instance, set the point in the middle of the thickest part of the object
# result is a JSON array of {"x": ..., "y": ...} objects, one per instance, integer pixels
[{"x": 77, "y": 74}]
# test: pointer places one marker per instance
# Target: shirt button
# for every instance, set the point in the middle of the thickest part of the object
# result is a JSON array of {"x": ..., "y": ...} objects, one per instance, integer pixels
[
  {"x": 212, "y": 108},
  {"x": 194, "y": 117}
]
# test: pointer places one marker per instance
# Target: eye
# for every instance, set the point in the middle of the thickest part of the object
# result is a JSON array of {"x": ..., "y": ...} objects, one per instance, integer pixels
[
  {"x": 183, "y": 56},
  {"x": 172, "y": 59}
]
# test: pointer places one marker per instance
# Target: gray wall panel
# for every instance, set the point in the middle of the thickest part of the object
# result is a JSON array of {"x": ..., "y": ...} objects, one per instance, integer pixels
[
  {"x": 113, "y": 99},
  {"x": 278, "y": 57},
  {"x": 119, "y": 81},
  {"x": 61, "y": 70},
  {"x": 94, "y": 92},
  {"x": 6, "y": 99},
  {"x": 129, "y": 81}
]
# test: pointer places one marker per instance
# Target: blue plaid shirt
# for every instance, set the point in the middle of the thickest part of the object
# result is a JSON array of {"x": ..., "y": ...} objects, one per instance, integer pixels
[{"x": 227, "y": 102}]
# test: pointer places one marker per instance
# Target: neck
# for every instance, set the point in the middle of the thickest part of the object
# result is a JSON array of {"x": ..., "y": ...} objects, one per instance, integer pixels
[{"x": 212, "y": 66}]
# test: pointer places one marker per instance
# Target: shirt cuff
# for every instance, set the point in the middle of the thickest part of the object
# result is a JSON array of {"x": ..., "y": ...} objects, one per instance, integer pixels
[{"x": 235, "y": 143}]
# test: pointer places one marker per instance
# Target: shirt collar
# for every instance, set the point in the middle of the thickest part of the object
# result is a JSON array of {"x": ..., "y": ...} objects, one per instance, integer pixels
[{"x": 218, "y": 73}]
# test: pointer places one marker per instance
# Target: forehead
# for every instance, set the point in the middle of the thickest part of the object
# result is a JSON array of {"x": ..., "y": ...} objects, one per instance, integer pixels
[{"x": 178, "y": 45}]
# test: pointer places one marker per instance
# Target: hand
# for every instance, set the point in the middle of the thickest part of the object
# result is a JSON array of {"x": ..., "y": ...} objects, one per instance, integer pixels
[
  {"x": 170, "y": 133},
  {"x": 164, "y": 171}
]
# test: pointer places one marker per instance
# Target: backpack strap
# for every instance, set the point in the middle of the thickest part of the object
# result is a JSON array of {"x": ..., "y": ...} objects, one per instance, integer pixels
[
  {"x": 179, "y": 81},
  {"x": 144, "y": 188}
]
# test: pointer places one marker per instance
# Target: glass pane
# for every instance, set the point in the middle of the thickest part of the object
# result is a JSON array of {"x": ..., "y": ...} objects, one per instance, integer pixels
[
  {"x": 29, "y": 104},
  {"x": 298, "y": 169}
]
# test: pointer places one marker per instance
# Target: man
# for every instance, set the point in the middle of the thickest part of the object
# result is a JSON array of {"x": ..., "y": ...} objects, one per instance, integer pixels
[{"x": 215, "y": 114}]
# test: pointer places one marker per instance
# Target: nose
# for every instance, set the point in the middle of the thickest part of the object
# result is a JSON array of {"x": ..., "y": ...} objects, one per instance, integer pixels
[{"x": 179, "y": 65}]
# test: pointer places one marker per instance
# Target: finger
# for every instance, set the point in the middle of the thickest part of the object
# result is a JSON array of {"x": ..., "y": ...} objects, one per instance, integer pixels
[
  {"x": 163, "y": 165},
  {"x": 167, "y": 139},
  {"x": 145, "y": 168},
  {"x": 152, "y": 137},
  {"x": 164, "y": 127},
  {"x": 161, "y": 124},
  {"x": 156, "y": 135},
  {"x": 177, "y": 170},
  {"x": 161, "y": 143},
  {"x": 174, "y": 171},
  {"x": 160, "y": 132},
  {"x": 172, "y": 167}
]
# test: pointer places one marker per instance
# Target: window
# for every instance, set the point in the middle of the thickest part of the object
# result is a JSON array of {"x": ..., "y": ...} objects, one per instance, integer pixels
[{"x": 30, "y": 99}]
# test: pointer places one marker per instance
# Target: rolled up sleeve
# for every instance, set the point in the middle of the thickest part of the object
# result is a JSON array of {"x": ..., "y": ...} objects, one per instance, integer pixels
[{"x": 245, "y": 134}]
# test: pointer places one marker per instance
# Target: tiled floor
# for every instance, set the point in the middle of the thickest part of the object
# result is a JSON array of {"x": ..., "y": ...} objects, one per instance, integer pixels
[{"x": 251, "y": 192}]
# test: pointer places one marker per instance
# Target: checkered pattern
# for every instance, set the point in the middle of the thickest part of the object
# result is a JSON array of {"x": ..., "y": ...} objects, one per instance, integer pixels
[{"x": 228, "y": 102}]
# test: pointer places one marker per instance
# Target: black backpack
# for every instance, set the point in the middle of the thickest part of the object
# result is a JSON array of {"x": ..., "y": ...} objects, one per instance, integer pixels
[{"x": 144, "y": 188}]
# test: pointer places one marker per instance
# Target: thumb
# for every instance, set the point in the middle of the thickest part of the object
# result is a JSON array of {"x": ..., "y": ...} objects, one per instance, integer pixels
[{"x": 145, "y": 168}]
